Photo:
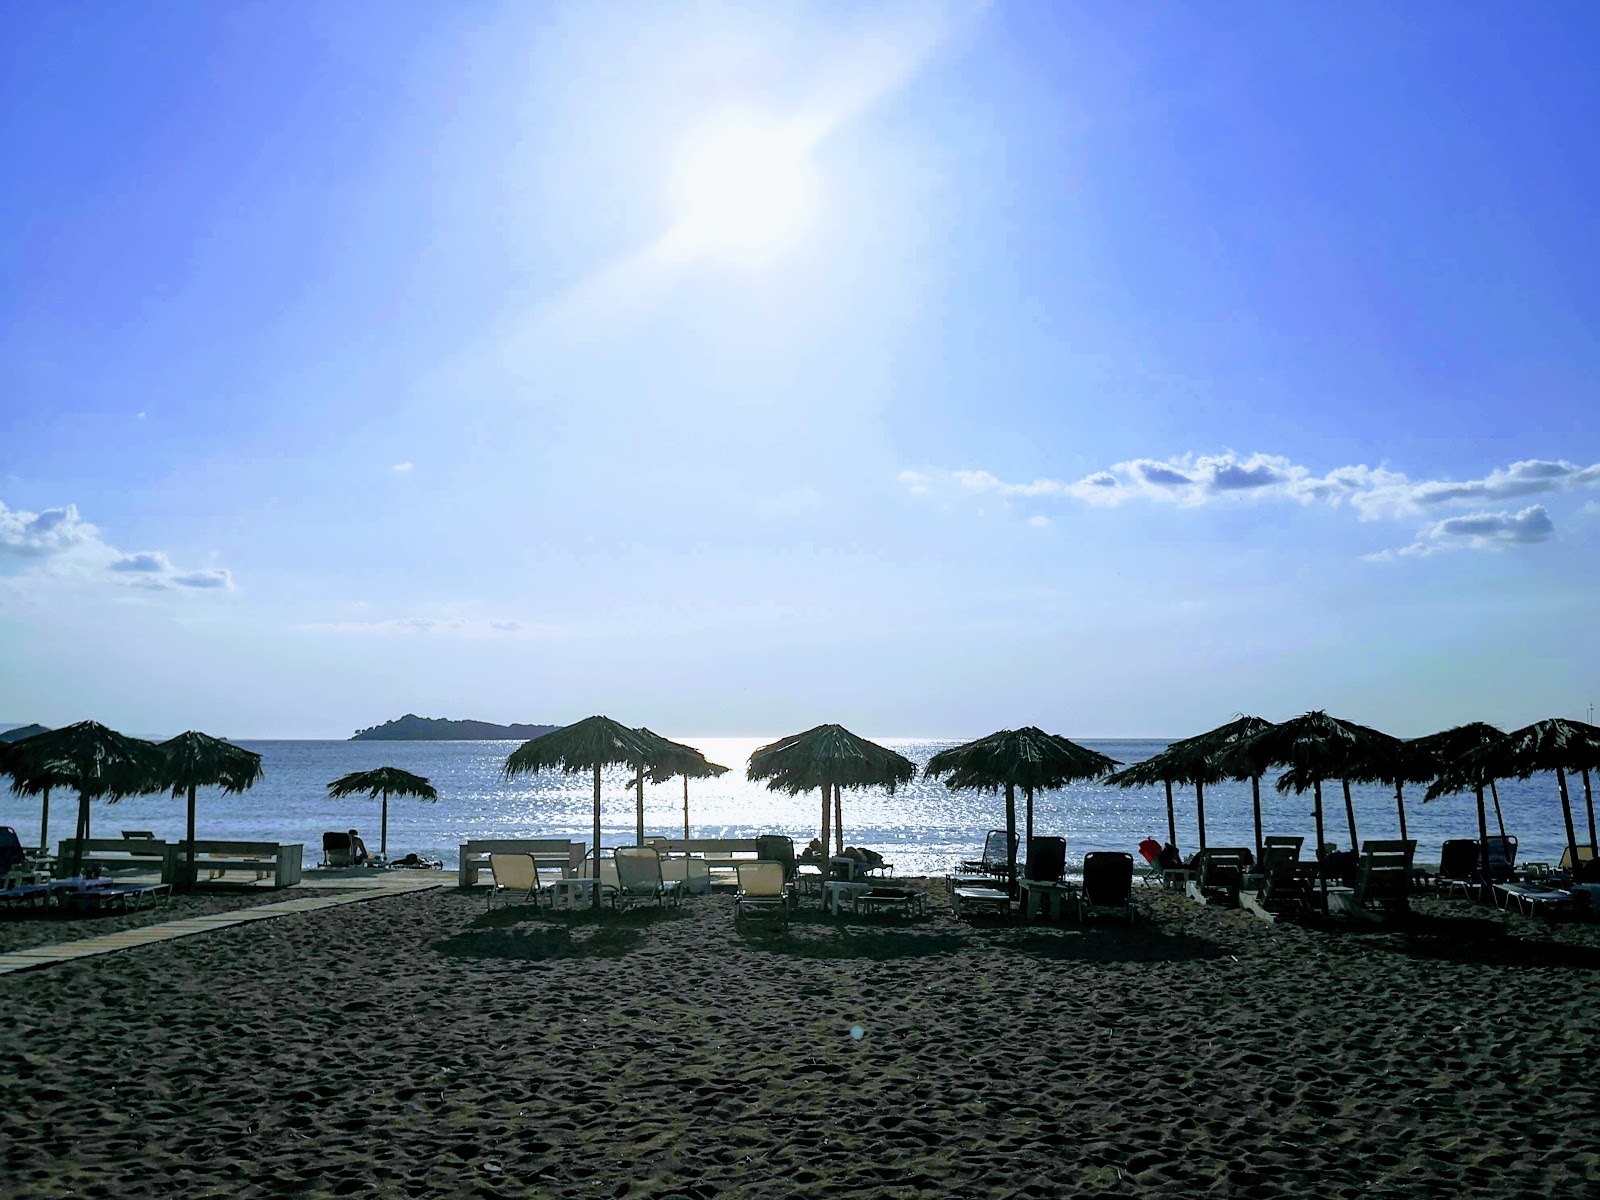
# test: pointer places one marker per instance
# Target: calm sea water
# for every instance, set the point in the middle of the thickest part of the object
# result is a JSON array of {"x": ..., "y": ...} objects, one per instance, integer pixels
[{"x": 922, "y": 828}]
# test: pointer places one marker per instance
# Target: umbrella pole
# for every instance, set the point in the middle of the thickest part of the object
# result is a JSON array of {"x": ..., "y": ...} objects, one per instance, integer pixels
[
  {"x": 597, "y": 837},
  {"x": 638, "y": 789},
  {"x": 1255, "y": 801},
  {"x": 1483, "y": 849},
  {"x": 838, "y": 819},
  {"x": 827, "y": 811},
  {"x": 1316, "y": 785},
  {"x": 1172, "y": 818},
  {"x": 1027, "y": 792},
  {"x": 1011, "y": 837},
  {"x": 383, "y": 829},
  {"x": 686, "y": 812},
  {"x": 44, "y": 823},
  {"x": 1400, "y": 806},
  {"x": 1350, "y": 816},
  {"x": 1566, "y": 814},
  {"x": 82, "y": 833},
  {"x": 1498, "y": 815},
  {"x": 1588, "y": 802},
  {"x": 188, "y": 849},
  {"x": 1200, "y": 810}
]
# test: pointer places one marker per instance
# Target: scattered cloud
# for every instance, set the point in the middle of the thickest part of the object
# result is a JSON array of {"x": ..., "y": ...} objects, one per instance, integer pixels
[
  {"x": 1372, "y": 493},
  {"x": 401, "y": 467},
  {"x": 1039, "y": 521},
  {"x": 57, "y": 541},
  {"x": 459, "y": 627}
]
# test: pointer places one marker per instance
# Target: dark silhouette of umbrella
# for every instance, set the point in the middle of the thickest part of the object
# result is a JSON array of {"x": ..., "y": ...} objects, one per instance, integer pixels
[
  {"x": 589, "y": 744},
  {"x": 42, "y": 787},
  {"x": 92, "y": 759},
  {"x": 197, "y": 760},
  {"x": 1210, "y": 758},
  {"x": 1316, "y": 747},
  {"x": 1026, "y": 758},
  {"x": 1460, "y": 759},
  {"x": 386, "y": 781},
  {"x": 1555, "y": 744},
  {"x": 676, "y": 759},
  {"x": 828, "y": 758}
]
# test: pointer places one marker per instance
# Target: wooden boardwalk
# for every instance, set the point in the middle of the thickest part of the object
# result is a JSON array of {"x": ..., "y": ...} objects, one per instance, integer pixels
[{"x": 343, "y": 892}]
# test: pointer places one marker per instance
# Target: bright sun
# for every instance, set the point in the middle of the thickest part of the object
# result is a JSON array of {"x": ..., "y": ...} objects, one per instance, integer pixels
[{"x": 742, "y": 189}]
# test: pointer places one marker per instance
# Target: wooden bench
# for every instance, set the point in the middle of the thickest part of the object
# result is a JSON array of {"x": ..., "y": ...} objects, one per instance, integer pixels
[
  {"x": 113, "y": 854},
  {"x": 261, "y": 859},
  {"x": 551, "y": 854}
]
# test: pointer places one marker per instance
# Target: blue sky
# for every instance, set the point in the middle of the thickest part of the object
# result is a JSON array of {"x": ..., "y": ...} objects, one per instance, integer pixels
[{"x": 734, "y": 368}]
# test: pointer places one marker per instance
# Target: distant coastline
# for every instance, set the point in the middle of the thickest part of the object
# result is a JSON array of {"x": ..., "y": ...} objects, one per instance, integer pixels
[{"x": 412, "y": 728}]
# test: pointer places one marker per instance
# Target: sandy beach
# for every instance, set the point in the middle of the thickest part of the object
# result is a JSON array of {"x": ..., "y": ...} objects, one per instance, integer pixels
[{"x": 415, "y": 1046}]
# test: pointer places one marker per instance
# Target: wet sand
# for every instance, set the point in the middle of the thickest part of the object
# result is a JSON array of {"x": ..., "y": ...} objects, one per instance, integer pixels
[{"x": 414, "y": 1046}]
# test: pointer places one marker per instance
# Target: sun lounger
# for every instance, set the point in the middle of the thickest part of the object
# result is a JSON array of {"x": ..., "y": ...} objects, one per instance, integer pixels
[
  {"x": 1219, "y": 872},
  {"x": 515, "y": 875},
  {"x": 336, "y": 849},
  {"x": 1383, "y": 880},
  {"x": 122, "y": 896},
  {"x": 763, "y": 891},
  {"x": 1458, "y": 867},
  {"x": 971, "y": 899},
  {"x": 890, "y": 901},
  {"x": 995, "y": 863},
  {"x": 1107, "y": 884},
  {"x": 1534, "y": 899},
  {"x": 639, "y": 878},
  {"x": 1285, "y": 880}
]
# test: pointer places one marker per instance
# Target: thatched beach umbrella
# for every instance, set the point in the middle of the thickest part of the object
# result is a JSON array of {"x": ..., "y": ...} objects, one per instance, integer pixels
[
  {"x": 1028, "y": 758},
  {"x": 7, "y": 740},
  {"x": 1465, "y": 758},
  {"x": 1210, "y": 758},
  {"x": 829, "y": 757},
  {"x": 1315, "y": 747},
  {"x": 197, "y": 760},
  {"x": 678, "y": 759},
  {"x": 590, "y": 744},
  {"x": 94, "y": 760},
  {"x": 384, "y": 781},
  {"x": 1555, "y": 745}
]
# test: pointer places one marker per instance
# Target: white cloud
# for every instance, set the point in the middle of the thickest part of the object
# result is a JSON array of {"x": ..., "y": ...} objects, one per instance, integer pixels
[
  {"x": 58, "y": 542},
  {"x": 401, "y": 467},
  {"x": 459, "y": 627},
  {"x": 1039, "y": 521},
  {"x": 1372, "y": 493}
]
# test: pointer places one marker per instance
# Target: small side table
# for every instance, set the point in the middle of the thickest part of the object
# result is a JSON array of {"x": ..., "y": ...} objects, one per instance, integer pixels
[{"x": 835, "y": 891}]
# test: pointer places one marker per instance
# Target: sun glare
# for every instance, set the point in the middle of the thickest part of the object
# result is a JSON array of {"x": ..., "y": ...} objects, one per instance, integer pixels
[{"x": 742, "y": 189}]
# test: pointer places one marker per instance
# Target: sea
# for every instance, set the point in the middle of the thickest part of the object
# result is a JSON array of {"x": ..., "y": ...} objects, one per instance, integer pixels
[{"x": 923, "y": 828}]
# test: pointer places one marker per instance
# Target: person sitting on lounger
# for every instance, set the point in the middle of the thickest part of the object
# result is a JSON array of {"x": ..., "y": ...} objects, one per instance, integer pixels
[{"x": 358, "y": 850}]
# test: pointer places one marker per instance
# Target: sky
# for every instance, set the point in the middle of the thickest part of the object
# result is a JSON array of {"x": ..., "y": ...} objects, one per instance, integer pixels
[{"x": 730, "y": 369}]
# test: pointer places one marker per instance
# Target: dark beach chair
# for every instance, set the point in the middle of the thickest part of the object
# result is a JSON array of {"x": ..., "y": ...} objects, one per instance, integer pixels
[
  {"x": 1285, "y": 880},
  {"x": 995, "y": 863},
  {"x": 1220, "y": 872},
  {"x": 1383, "y": 880},
  {"x": 1502, "y": 861},
  {"x": 1107, "y": 884},
  {"x": 1458, "y": 867},
  {"x": 11, "y": 855},
  {"x": 1047, "y": 859},
  {"x": 778, "y": 848},
  {"x": 336, "y": 849}
]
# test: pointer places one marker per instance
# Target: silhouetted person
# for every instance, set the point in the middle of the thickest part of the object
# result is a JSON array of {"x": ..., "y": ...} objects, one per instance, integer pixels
[{"x": 358, "y": 850}]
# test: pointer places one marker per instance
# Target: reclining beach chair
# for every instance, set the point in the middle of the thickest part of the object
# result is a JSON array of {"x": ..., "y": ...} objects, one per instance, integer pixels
[
  {"x": 1220, "y": 872},
  {"x": 639, "y": 878},
  {"x": 995, "y": 863},
  {"x": 778, "y": 848},
  {"x": 763, "y": 891},
  {"x": 11, "y": 855},
  {"x": 1047, "y": 859},
  {"x": 1107, "y": 884},
  {"x": 1383, "y": 880},
  {"x": 336, "y": 849},
  {"x": 1284, "y": 878},
  {"x": 1458, "y": 867},
  {"x": 515, "y": 875}
]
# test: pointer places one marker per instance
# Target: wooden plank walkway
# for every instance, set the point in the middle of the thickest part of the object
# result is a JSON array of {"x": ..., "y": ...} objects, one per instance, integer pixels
[{"x": 44, "y": 956}]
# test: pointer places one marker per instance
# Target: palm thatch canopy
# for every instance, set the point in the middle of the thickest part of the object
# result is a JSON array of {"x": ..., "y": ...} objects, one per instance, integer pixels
[
  {"x": 93, "y": 760},
  {"x": 1028, "y": 758},
  {"x": 196, "y": 760},
  {"x": 1203, "y": 759},
  {"x": 1555, "y": 744},
  {"x": 829, "y": 757},
  {"x": 1316, "y": 747},
  {"x": 1460, "y": 759},
  {"x": 23, "y": 731},
  {"x": 676, "y": 759},
  {"x": 385, "y": 781},
  {"x": 587, "y": 745}
]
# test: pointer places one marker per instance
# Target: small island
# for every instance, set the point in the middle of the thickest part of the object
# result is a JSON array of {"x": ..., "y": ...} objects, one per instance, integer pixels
[{"x": 412, "y": 728}]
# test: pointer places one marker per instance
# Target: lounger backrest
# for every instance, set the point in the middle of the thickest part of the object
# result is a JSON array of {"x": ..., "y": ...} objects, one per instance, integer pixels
[
  {"x": 515, "y": 871},
  {"x": 10, "y": 848},
  {"x": 1458, "y": 858},
  {"x": 1502, "y": 849},
  {"x": 997, "y": 850},
  {"x": 761, "y": 879},
  {"x": 1295, "y": 843},
  {"x": 1107, "y": 877},
  {"x": 638, "y": 868},
  {"x": 335, "y": 841},
  {"x": 778, "y": 848},
  {"x": 1047, "y": 859},
  {"x": 1279, "y": 861}
]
